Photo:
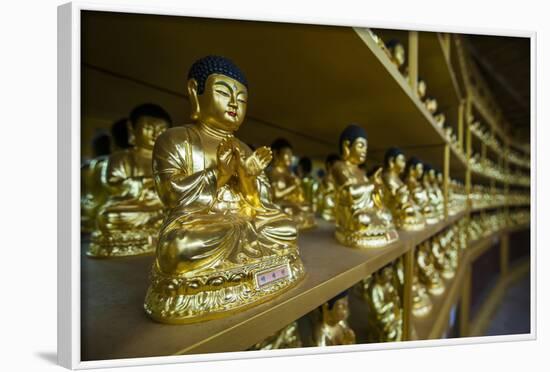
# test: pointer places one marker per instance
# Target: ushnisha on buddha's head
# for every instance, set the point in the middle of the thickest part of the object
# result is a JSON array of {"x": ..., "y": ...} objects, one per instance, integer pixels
[
  {"x": 282, "y": 152},
  {"x": 394, "y": 160},
  {"x": 415, "y": 168},
  {"x": 218, "y": 93},
  {"x": 146, "y": 123},
  {"x": 354, "y": 144}
]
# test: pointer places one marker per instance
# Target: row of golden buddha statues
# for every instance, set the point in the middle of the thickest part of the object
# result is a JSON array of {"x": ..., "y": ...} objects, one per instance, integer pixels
[
  {"x": 487, "y": 137},
  {"x": 222, "y": 218},
  {"x": 396, "y": 53}
]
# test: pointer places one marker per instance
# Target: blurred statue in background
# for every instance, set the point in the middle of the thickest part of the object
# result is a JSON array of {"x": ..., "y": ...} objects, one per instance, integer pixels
[
  {"x": 384, "y": 314},
  {"x": 92, "y": 176},
  {"x": 128, "y": 222},
  {"x": 287, "y": 188},
  {"x": 362, "y": 219},
  {"x": 398, "y": 56},
  {"x": 429, "y": 181},
  {"x": 310, "y": 186},
  {"x": 286, "y": 338},
  {"x": 224, "y": 245},
  {"x": 333, "y": 327},
  {"x": 397, "y": 197},
  {"x": 427, "y": 271},
  {"x": 326, "y": 194},
  {"x": 412, "y": 177},
  {"x": 430, "y": 103}
]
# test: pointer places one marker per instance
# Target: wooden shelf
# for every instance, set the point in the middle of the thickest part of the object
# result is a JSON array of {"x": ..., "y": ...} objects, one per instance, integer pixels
[{"x": 114, "y": 324}]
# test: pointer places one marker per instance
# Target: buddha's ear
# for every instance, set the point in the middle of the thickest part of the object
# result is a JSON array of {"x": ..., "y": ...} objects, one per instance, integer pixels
[
  {"x": 131, "y": 134},
  {"x": 192, "y": 87},
  {"x": 346, "y": 149}
]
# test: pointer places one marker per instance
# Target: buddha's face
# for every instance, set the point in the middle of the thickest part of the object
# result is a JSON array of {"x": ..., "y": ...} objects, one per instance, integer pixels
[
  {"x": 387, "y": 274},
  {"x": 440, "y": 177},
  {"x": 356, "y": 152},
  {"x": 222, "y": 105},
  {"x": 419, "y": 170},
  {"x": 340, "y": 310},
  {"x": 399, "y": 163},
  {"x": 146, "y": 130},
  {"x": 284, "y": 156},
  {"x": 432, "y": 175},
  {"x": 399, "y": 54}
]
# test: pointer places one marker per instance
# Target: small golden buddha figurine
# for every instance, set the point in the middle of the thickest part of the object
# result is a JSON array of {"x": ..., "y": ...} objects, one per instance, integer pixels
[
  {"x": 362, "y": 219},
  {"x": 92, "y": 174},
  {"x": 429, "y": 182},
  {"x": 286, "y": 338},
  {"x": 397, "y": 197},
  {"x": 421, "y": 301},
  {"x": 333, "y": 327},
  {"x": 326, "y": 196},
  {"x": 397, "y": 55},
  {"x": 439, "y": 246},
  {"x": 310, "y": 186},
  {"x": 385, "y": 315},
  {"x": 224, "y": 245},
  {"x": 413, "y": 174},
  {"x": 129, "y": 221},
  {"x": 430, "y": 103},
  {"x": 287, "y": 188},
  {"x": 427, "y": 272}
]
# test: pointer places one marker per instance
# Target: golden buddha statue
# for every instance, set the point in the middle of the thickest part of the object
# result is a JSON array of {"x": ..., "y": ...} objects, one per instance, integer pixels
[
  {"x": 427, "y": 272},
  {"x": 333, "y": 327},
  {"x": 310, "y": 186},
  {"x": 224, "y": 245},
  {"x": 362, "y": 220},
  {"x": 92, "y": 174},
  {"x": 439, "y": 246},
  {"x": 397, "y": 197},
  {"x": 385, "y": 315},
  {"x": 397, "y": 54},
  {"x": 286, "y": 338},
  {"x": 128, "y": 222},
  {"x": 413, "y": 174},
  {"x": 326, "y": 195},
  {"x": 421, "y": 301},
  {"x": 429, "y": 182},
  {"x": 287, "y": 188}
]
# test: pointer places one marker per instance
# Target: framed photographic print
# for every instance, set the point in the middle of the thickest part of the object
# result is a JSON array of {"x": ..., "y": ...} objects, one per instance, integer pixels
[{"x": 233, "y": 188}]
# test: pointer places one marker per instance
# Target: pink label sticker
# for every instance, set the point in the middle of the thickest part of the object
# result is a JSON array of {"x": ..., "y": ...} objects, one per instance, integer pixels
[{"x": 272, "y": 275}]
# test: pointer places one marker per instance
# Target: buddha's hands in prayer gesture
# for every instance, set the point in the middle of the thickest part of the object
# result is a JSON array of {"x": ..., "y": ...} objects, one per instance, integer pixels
[
  {"x": 258, "y": 161},
  {"x": 227, "y": 157}
]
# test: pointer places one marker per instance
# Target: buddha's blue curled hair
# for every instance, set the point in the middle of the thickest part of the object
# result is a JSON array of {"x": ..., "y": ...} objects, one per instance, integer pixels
[
  {"x": 206, "y": 66},
  {"x": 413, "y": 162},
  {"x": 351, "y": 133},
  {"x": 392, "y": 153}
]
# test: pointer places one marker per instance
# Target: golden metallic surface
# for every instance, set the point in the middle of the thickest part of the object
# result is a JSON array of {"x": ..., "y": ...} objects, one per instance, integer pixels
[
  {"x": 287, "y": 190},
  {"x": 224, "y": 246},
  {"x": 310, "y": 187},
  {"x": 362, "y": 219},
  {"x": 398, "y": 198},
  {"x": 128, "y": 222},
  {"x": 333, "y": 327},
  {"x": 286, "y": 338},
  {"x": 435, "y": 194},
  {"x": 421, "y": 301},
  {"x": 93, "y": 191},
  {"x": 413, "y": 175},
  {"x": 385, "y": 314},
  {"x": 326, "y": 197},
  {"x": 440, "y": 247},
  {"x": 427, "y": 271}
]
